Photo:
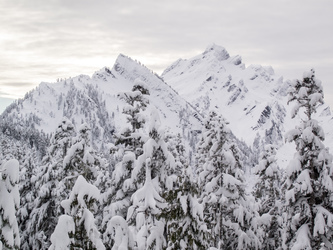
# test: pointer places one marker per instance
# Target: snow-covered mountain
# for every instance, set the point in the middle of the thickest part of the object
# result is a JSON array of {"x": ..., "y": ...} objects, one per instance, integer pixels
[
  {"x": 214, "y": 80},
  {"x": 93, "y": 100},
  {"x": 252, "y": 99}
]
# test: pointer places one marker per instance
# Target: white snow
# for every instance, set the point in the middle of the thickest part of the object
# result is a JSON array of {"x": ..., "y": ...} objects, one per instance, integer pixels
[
  {"x": 9, "y": 202},
  {"x": 302, "y": 238},
  {"x": 307, "y": 74},
  {"x": 290, "y": 196},
  {"x": 77, "y": 206},
  {"x": 120, "y": 233},
  {"x": 60, "y": 238},
  {"x": 294, "y": 166},
  {"x": 81, "y": 190},
  {"x": 319, "y": 226},
  {"x": 305, "y": 182}
]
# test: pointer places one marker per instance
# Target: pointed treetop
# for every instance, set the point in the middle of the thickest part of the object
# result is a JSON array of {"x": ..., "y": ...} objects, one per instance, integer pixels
[
  {"x": 140, "y": 86},
  {"x": 84, "y": 128},
  {"x": 65, "y": 125},
  {"x": 307, "y": 93}
]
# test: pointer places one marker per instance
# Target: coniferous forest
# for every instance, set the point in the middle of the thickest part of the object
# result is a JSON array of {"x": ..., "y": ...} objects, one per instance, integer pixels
[{"x": 145, "y": 186}]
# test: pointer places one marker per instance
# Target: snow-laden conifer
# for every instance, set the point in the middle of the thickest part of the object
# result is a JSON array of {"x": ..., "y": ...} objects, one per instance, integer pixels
[
  {"x": 129, "y": 144},
  {"x": 267, "y": 192},
  {"x": 77, "y": 229},
  {"x": 143, "y": 214},
  {"x": 28, "y": 158},
  {"x": 227, "y": 211},
  {"x": 62, "y": 139},
  {"x": 185, "y": 227},
  {"x": 9, "y": 204},
  {"x": 153, "y": 175},
  {"x": 163, "y": 166},
  {"x": 49, "y": 187},
  {"x": 136, "y": 101},
  {"x": 81, "y": 158},
  {"x": 28, "y": 171},
  {"x": 309, "y": 184},
  {"x": 183, "y": 215}
]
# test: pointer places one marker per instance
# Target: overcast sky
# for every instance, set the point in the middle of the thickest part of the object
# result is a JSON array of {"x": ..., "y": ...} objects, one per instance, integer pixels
[{"x": 45, "y": 40}]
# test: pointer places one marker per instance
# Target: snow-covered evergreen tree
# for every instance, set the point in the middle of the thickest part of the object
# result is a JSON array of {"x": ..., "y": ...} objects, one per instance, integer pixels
[
  {"x": 49, "y": 188},
  {"x": 9, "y": 204},
  {"x": 309, "y": 184},
  {"x": 155, "y": 165},
  {"x": 118, "y": 198},
  {"x": 77, "y": 229},
  {"x": 136, "y": 101},
  {"x": 143, "y": 215},
  {"x": 62, "y": 139},
  {"x": 227, "y": 210},
  {"x": 81, "y": 159},
  {"x": 28, "y": 158},
  {"x": 122, "y": 189},
  {"x": 163, "y": 165},
  {"x": 185, "y": 227},
  {"x": 183, "y": 215},
  {"x": 176, "y": 147},
  {"x": 267, "y": 192},
  {"x": 28, "y": 169}
]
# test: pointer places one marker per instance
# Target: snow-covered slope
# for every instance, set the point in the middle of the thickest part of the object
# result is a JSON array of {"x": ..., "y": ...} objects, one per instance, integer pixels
[
  {"x": 252, "y": 99},
  {"x": 249, "y": 98},
  {"x": 94, "y": 100}
]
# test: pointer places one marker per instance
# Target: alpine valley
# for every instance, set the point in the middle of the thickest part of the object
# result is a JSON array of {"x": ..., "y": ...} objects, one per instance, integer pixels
[{"x": 252, "y": 101}]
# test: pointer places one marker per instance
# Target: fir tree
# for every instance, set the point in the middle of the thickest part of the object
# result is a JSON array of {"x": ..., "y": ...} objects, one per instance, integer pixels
[
  {"x": 77, "y": 229},
  {"x": 145, "y": 213},
  {"x": 227, "y": 212},
  {"x": 9, "y": 204},
  {"x": 136, "y": 101},
  {"x": 62, "y": 139},
  {"x": 142, "y": 215},
  {"x": 163, "y": 165},
  {"x": 81, "y": 159},
  {"x": 28, "y": 169},
  {"x": 49, "y": 191},
  {"x": 267, "y": 192},
  {"x": 27, "y": 156},
  {"x": 309, "y": 175},
  {"x": 118, "y": 198},
  {"x": 183, "y": 215}
]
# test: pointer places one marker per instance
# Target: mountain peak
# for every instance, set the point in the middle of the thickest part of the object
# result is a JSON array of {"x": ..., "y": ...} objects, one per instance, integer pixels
[
  {"x": 130, "y": 68},
  {"x": 122, "y": 60},
  {"x": 218, "y": 51}
]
